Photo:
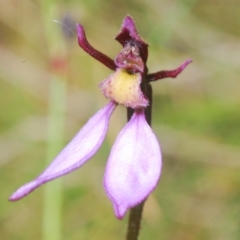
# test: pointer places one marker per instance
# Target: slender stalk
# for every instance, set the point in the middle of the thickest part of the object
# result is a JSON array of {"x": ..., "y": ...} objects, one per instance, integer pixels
[
  {"x": 55, "y": 49},
  {"x": 52, "y": 208},
  {"x": 134, "y": 222}
]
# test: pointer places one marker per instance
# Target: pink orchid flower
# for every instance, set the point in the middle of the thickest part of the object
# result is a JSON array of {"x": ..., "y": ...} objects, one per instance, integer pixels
[{"x": 134, "y": 165}]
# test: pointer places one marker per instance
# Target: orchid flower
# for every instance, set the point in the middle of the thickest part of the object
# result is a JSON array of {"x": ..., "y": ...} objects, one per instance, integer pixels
[{"x": 134, "y": 165}]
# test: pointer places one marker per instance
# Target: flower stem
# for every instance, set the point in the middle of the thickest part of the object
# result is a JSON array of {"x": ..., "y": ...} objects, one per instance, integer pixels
[
  {"x": 135, "y": 216},
  {"x": 134, "y": 222},
  {"x": 52, "y": 208},
  {"x": 56, "y": 57}
]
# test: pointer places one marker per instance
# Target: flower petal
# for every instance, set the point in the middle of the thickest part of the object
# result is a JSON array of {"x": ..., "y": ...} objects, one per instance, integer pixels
[
  {"x": 82, "y": 147},
  {"x": 134, "y": 165}
]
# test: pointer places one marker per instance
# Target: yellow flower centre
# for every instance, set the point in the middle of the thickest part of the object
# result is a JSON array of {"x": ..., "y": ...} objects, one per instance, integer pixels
[{"x": 124, "y": 88}]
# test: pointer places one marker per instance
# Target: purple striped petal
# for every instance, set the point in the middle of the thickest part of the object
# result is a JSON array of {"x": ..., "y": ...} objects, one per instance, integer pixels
[
  {"x": 82, "y": 147},
  {"x": 134, "y": 165}
]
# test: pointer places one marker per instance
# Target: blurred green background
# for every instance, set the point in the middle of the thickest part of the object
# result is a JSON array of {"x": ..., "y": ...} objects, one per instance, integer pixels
[{"x": 49, "y": 88}]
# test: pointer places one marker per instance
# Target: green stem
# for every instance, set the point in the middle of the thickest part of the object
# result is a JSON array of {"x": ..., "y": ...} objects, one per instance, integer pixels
[
  {"x": 52, "y": 208},
  {"x": 134, "y": 222},
  {"x": 52, "y": 198}
]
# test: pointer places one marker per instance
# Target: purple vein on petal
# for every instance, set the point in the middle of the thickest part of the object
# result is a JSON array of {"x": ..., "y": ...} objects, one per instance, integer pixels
[
  {"x": 134, "y": 165},
  {"x": 80, "y": 149}
]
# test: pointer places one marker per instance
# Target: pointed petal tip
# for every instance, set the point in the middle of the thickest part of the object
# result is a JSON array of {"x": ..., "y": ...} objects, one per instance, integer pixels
[
  {"x": 80, "y": 31},
  {"x": 14, "y": 197},
  {"x": 24, "y": 191},
  {"x": 79, "y": 26},
  {"x": 120, "y": 216},
  {"x": 119, "y": 210},
  {"x": 186, "y": 63},
  {"x": 129, "y": 31},
  {"x": 128, "y": 20}
]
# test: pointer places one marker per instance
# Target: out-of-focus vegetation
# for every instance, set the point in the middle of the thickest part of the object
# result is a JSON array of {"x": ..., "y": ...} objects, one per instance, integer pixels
[{"x": 196, "y": 117}]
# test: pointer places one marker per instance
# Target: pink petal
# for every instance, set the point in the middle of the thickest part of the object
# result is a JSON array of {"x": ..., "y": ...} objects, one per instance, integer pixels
[
  {"x": 82, "y": 147},
  {"x": 134, "y": 165}
]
